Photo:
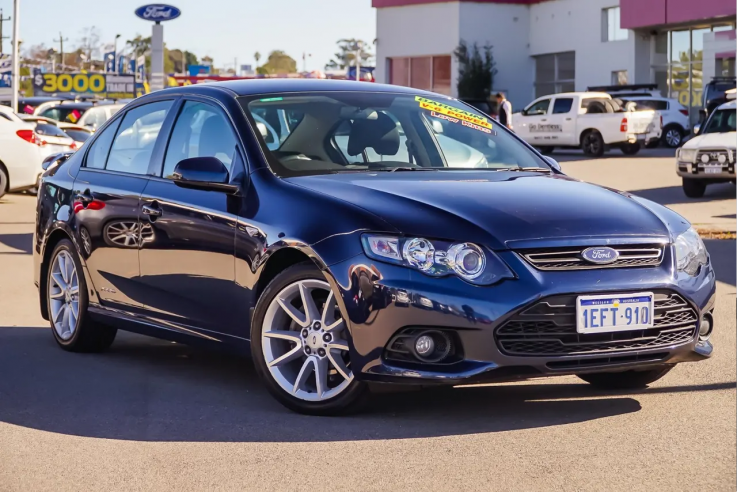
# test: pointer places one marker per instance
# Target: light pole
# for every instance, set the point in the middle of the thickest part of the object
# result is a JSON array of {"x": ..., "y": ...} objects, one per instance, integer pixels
[
  {"x": 304, "y": 60},
  {"x": 358, "y": 61},
  {"x": 115, "y": 53},
  {"x": 16, "y": 55}
]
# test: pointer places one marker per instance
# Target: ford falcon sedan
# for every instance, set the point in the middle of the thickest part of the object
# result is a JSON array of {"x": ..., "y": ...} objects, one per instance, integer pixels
[{"x": 347, "y": 234}]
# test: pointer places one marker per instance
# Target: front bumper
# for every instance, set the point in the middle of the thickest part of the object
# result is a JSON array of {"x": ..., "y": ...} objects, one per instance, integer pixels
[
  {"x": 379, "y": 300},
  {"x": 696, "y": 171}
]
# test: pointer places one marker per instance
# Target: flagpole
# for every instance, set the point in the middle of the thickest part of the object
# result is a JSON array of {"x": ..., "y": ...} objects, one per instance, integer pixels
[{"x": 16, "y": 56}]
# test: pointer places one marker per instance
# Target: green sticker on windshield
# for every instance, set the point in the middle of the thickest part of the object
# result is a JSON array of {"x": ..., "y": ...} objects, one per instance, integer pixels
[{"x": 270, "y": 99}]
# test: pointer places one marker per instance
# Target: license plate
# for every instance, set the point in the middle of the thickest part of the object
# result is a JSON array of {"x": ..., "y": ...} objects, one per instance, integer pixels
[
  {"x": 713, "y": 169},
  {"x": 607, "y": 313}
]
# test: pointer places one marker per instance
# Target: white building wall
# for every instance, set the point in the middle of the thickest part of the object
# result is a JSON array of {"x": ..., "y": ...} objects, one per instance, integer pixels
[
  {"x": 416, "y": 30},
  {"x": 506, "y": 27},
  {"x": 576, "y": 25}
]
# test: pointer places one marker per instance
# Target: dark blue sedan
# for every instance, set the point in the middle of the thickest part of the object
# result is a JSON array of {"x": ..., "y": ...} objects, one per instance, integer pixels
[{"x": 348, "y": 233}]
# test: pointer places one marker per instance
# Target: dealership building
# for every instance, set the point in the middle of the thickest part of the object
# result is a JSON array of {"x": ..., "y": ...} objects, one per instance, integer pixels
[{"x": 545, "y": 46}]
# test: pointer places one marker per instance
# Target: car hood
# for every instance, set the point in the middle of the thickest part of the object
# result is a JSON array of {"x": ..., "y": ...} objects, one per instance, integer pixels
[
  {"x": 494, "y": 208},
  {"x": 712, "y": 141}
]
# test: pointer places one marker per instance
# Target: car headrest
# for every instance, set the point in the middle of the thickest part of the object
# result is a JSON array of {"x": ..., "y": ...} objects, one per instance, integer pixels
[{"x": 381, "y": 134}]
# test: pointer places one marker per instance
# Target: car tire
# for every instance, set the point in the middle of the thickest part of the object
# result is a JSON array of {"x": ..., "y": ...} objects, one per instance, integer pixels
[
  {"x": 693, "y": 188},
  {"x": 626, "y": 379},
  {"x": 546, "y": 150},
  {"x": 630, "y": 148},
  {"x": 653, "y": 144},
  {"x": 672, "y": 136},
  {"x": 3, "y": 181},
  {"x": 592, "y": 144},
  {"x": 66, "y": 288},
  {"x": 282, "y": 358}
]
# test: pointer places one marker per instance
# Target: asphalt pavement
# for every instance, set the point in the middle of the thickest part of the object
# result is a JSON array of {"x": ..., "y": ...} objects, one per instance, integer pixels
[{"x": 152, "y": 415}]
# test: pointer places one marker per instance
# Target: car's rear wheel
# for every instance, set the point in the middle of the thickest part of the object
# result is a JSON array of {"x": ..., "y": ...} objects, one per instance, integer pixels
[
  {"x": 592, "y": 144},
  {"x": 66, "y": 299},
  {"x": 626, "y": 379},
  {"x": 693, "y": 188},
  {"x": 672, "y": 136},
  {"x": 547, "y": 150},
  {"x": 299, "y": 344},
  {"x": 3, "y": 181}
]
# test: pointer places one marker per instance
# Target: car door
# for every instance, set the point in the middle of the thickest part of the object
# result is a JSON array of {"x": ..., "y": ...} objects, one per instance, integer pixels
[
  {"x": 529, "y": 124},
  {"x": 561, "y": 124},
  {"x": 107, "y": 195},
  {"x": 188, "y": 262}
]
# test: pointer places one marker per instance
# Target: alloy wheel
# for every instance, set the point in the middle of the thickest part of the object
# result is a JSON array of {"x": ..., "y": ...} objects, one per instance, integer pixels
[
  {"x": 64, "y": 295},
  {"x": 673, "y": 137},
  {"x": 303, "y": 342}
]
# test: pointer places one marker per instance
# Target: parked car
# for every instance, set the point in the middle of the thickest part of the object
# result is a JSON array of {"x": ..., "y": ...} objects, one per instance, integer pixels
[
  {"x": 709, "y": 157},
  {"x": 80, "y": 134},
  {"x": 53, "y": 139},
  {"x": 676, "y": 123},
  {"x": 337, "y": 265},
  {"x": 628, "y": 90},
  {"x": 591, "y": 121},
  {"x": 20, "y": 157},
  {"x": 87, "y": 114},
  {"x": 714, "y": 95},
  {"x": 30, "y": 105}
]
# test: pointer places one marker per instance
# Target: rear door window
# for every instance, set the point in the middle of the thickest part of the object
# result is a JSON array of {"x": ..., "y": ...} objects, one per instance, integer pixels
[
  {"x": 97, "y": 156},
  {"x": 562, "y": 105}
]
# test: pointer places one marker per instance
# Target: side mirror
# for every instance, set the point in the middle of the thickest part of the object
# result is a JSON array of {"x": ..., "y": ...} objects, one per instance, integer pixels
[
  {"x": 203, "y": 173},
  {"x": 55, "y": 160},
  {"x": 696, "y": 128},
  {"x": 553, "y": 163}
]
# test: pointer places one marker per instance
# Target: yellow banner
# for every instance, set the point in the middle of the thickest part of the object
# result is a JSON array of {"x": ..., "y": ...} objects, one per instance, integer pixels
[{"x": 444, "y": 109}]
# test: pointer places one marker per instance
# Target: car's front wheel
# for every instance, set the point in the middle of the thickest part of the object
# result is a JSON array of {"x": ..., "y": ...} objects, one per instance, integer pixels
[
  {"x": 626, "y": 379},
  {"x": 66, "y": 299},
  {"x": 693, "y": 188},
  {"x": 299, "y": 344}
]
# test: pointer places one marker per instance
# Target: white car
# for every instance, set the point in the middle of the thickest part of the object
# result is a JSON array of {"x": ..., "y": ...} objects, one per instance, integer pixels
[
  {"x": 709, "y": 157},
  {"x": 591, "y": 121},
  {"x": 676, "y": 124},
  {"x": 20, "y": 155}
]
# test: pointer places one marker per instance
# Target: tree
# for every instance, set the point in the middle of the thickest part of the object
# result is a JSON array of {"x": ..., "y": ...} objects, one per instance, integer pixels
[
  {"x": 140, "y": 45},
  {"x": 278, "y": 62},
  {"x": 346, "y": 56},
  {"x": 190, "y": 59},
  {"x": 89, "y": 42},
  {"x": 475, "y": 72}
]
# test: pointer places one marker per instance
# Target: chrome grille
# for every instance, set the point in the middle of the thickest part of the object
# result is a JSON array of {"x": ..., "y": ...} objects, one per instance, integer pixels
[
  {"x": 633, "y": 255},
  {"x": 548, "y": 328}
]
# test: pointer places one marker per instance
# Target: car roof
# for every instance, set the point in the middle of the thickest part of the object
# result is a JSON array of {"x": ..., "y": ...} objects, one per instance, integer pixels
[
  {"x": 270, "y": 86},
  {"x": 73, "y": 105},
  {"x": 580, "y": 94},
  {"x": 728, "y": 105}
]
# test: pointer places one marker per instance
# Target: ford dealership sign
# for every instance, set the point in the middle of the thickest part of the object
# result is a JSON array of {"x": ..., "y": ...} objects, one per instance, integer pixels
[{"x": 158, "y": 12}]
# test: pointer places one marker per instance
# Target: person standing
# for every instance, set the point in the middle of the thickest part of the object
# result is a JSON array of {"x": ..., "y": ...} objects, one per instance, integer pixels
[{"x": 504, "y": 108}]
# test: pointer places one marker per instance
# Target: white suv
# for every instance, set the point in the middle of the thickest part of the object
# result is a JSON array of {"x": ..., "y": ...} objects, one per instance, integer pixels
[
  {"x": 710, "y": 156},
  {"x": 676, "y": 124}
]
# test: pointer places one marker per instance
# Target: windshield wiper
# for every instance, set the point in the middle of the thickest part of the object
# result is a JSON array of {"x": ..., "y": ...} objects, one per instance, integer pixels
[
  {"x": 526, "y": 169},
  {"x": 395, "y": 169}
]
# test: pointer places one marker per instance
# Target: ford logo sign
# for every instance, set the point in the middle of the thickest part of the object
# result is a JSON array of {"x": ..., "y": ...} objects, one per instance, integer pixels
[
  {"x": 158, "y": 12},
  {"x": 600, "y": 256}
]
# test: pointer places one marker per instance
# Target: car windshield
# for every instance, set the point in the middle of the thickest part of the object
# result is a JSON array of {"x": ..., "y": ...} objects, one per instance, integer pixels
[
  {"x": 48, "y": 130},
  {"x": 331, "y": 132},
  {"x": 78, "y": 135},
  {"x": 60, "y": 113},
  {"x": 722, "y": 121}
]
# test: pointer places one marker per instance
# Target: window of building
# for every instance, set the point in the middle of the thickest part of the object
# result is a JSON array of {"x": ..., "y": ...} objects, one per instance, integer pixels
[
  {"x": 619, "y": 77},
  {"x": 555, "y": 73},
  {"x": 432, "y": 73},
  {"x": 610, "y": 25}
]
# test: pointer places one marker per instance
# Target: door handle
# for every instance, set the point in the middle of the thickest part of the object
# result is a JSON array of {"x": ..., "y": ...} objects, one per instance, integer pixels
[
  {"x": 151, "y": 211},
  {"x": 568, "y": 119},
  {"x": 544, "y": 119}
]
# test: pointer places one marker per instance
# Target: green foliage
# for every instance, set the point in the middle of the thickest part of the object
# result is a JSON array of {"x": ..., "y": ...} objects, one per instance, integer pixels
[
  {"x": 346, "y": 55},
  {"x": 277, "y": 63},
  {"x": 476, "y": 71}
]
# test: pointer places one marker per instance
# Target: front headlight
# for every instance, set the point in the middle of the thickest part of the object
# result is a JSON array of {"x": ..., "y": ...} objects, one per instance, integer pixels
[
  {"x": 690, "y": 252},
  {"x": 438, "y": 258},
  {"x": 686, "y": 155}
]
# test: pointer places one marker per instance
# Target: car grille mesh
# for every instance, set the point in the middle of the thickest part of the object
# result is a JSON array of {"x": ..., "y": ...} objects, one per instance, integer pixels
[
  {"x": 548, "y": 328},
  {"x": 634, "y": 255}
]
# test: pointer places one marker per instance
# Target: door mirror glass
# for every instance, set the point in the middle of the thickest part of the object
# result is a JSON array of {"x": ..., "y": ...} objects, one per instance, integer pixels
[
  {"x": 553, "y": 163},
  {"x": 696, "y": 128},
  {"x": 203, "y": 173},
  {"x": 262, "y": 130}
]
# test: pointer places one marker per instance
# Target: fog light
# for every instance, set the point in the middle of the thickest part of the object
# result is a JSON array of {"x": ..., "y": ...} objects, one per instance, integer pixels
[
  {"x": 707, "y": 325},
  {"x": 424, "y": 345}
]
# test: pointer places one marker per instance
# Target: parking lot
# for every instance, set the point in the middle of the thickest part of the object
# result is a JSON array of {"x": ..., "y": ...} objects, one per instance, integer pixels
[{"x": 157, "y": 415}]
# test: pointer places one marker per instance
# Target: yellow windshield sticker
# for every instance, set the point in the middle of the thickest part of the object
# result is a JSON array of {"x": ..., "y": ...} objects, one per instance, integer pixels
[{"x": 466, "y": 118}]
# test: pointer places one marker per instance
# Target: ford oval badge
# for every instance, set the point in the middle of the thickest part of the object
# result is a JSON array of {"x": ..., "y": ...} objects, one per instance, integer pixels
[
  {"x": 600, "y": 256},
  {"x": 158, "y": 12}
]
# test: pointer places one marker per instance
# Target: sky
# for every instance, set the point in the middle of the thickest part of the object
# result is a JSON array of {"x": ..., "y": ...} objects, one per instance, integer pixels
[{"x": 226, "y": 30}]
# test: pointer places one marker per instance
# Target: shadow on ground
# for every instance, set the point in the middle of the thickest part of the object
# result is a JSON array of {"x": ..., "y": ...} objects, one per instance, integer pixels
[
  {"x": 570, "y": 155},
  {"x": 150, "y": 390},
  {"x": 671, "y": 195},
  {"x": 21, "y": 242}
]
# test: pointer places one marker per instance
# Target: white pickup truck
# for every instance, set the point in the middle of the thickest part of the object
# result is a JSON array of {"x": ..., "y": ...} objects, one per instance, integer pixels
[{"x": 591, "y": 121}]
